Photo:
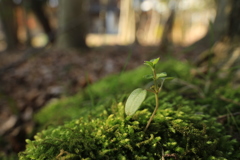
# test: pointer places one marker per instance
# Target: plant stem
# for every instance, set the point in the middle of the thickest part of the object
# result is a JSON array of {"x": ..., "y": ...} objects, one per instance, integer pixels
[
  {"x": 154, "y": 112},
  {"x": 156, "y": 91},
  {"x": 155, "y": 81}
]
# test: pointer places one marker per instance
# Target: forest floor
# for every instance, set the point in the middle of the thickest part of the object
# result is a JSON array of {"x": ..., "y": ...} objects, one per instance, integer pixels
[{"x": 29, "y": 79}]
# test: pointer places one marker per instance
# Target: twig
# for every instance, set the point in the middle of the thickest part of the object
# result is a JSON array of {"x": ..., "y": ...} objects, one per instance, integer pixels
[
  {"x": 220, "y": 118},
  {"x": 189, "y": 85},
  {"x": 228, "y": 100}
]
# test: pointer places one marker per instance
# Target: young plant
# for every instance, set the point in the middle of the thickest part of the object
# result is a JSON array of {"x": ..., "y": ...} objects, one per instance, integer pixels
[{"x": 136, "y": 98}]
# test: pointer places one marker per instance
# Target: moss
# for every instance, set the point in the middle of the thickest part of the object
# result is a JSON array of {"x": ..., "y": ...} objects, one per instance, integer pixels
[
  {"x": 183, "y": 128},
  {"x": 102, "y": 93},
  {"x": 172, "y": 134},
  {"x": 221, "y": 100}
]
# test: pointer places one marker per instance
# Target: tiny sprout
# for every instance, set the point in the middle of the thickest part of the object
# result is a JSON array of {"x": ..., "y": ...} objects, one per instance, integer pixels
[{"x": 136, "y": 98}]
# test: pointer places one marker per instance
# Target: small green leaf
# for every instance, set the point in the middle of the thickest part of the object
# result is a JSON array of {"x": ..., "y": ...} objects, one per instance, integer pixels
[
  {"x": 155, "y": 61},
  {"x": 149, "y": 76},
  {"x": 135, "y": 100},
  {"x": 161, "y": 75},
  {"x": 148, "y": 63}
]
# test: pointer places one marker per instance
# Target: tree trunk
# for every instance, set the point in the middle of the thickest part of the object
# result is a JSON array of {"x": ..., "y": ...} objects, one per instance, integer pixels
[
  {"x": 126, "y": 22},
  {"x": 73, "y": 24},
  {"x": 234, "y": 22},
  {"x": 7, "y": 16},
  {"x": 38, "y": 9},
  {"x": 217, "y": 29},
  {"x": 166, "y": 37}
]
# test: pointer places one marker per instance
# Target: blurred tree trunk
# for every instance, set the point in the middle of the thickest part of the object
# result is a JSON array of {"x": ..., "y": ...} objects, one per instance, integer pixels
[
  {"x": 38, "y": 9},
  {"x": 234, "y": 20},
  {"x": 217, "y": 29},
  {"x": 220, "y": 24},
  {"x": 166, "y": 39},
  {"x": 73, "y": 24},
  {"x": 225, "y": 25},
  {"x": 8, "y": 19},
  {"x": 127, "y": 21}
]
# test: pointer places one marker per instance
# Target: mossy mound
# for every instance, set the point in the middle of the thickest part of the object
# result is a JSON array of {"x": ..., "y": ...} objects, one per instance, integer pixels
[
  {"x": 172, "y": 134},
  {"x": 108, "y": 90},
  {"x": 183, "y": 128}
]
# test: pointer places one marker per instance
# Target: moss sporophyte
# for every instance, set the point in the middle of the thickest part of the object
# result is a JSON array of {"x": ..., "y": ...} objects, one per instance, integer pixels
[{"x": 137, "y": 96}]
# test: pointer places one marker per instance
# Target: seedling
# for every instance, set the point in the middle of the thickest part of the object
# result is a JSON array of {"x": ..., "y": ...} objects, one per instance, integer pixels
[{"x": 136, "y": 98}]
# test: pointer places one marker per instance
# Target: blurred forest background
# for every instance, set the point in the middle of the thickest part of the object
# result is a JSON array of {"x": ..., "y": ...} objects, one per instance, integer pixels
[
  {"x": 104, "y": 22},
  {"x": 54, "y": 48}
]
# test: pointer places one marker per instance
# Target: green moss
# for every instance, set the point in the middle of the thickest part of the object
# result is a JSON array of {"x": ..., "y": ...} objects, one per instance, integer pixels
[
  {"x": 102, "y": 93},
  {"x": 183, "y": 127},
  {"x": 172, "y": 133}
]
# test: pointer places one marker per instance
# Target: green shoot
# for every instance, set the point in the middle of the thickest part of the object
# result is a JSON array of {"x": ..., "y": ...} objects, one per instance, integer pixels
[{"x": 136, "y": 98}]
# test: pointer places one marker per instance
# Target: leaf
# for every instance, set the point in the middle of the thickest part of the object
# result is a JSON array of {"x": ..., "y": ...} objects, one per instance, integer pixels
[
  {"x": 155, "y": 61},
  {"x": 135, "y": 100},
  {"x": 149, "y": 76},
  {"x": 148, "y": 63},
  {"x": 161, "y": 75}
]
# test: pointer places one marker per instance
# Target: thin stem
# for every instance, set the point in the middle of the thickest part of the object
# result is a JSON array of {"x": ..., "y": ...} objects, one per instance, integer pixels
[
  {"x": 160, "y": 88},
  {"x": 155, "y": 81},
  {"x": 154, "y": 112},
  {"x": 156, "y": 91}
]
